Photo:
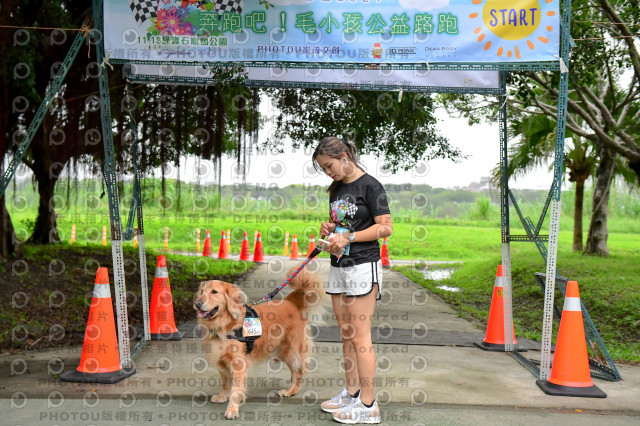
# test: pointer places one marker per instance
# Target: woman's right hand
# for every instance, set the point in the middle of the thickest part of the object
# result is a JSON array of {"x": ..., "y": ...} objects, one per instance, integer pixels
[{"x": 327, "y": 228}]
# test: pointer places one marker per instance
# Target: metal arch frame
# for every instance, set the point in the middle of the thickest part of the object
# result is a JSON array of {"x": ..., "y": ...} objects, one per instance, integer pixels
[
  {"x": 532, "y": 232},
  {"x": 179, "y": 80},
  {"x": 503, "y": 68},
  {"x": 440, "y": 66}
]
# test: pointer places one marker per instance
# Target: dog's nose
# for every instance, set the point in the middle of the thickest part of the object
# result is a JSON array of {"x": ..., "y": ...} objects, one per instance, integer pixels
[{"x": 198, "y": 304}]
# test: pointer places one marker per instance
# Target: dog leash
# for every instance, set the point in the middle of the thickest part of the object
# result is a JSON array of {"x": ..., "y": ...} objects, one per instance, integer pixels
[{"x": 273, "y": 293}]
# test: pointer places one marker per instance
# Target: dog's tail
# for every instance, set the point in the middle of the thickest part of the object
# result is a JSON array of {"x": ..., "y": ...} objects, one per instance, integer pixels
[{"x": 308, "y": 293}]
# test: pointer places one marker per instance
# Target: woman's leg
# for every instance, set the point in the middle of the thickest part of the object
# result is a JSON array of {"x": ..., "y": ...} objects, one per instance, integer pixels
[
  {"x": 361, "y": 314},
  {"x": 347, "y": 332}
]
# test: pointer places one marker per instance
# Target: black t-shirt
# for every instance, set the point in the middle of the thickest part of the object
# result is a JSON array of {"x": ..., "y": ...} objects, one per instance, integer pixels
[{"x": 353, "y": 206}]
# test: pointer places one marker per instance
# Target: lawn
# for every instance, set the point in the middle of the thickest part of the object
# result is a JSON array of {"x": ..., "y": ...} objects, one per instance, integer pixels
[{"x": 609, "y": 286}]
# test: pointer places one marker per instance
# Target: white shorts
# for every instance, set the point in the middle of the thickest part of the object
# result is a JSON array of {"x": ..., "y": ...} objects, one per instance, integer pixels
[{"x": 355, "y": 280}]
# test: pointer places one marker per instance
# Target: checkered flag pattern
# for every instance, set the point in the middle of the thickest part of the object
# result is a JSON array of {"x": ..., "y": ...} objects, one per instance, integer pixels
[
  {"x": 351, "y": 209},
  {"x": 143, "y": 9},
  {"x": 229, "y": 6}
]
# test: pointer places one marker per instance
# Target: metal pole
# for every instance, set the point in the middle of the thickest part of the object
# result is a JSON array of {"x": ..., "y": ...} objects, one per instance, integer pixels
[
  {"x": 112, "y": 190},
  {"x": 547, "y": 319},
  {"x": 137, "y": 194},
  {"x": 504, "y": 216}
]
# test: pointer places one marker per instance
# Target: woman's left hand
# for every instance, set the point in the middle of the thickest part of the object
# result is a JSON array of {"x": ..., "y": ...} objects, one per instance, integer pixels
[{"x": 337, "y": 243}]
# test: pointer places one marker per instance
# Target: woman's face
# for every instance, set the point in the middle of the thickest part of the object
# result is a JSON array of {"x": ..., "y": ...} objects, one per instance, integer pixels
[{"x": 333, "y": 167}]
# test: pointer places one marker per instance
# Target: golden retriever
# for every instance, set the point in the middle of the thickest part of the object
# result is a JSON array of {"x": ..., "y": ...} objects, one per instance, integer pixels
[{"x": 220, "y": 307}]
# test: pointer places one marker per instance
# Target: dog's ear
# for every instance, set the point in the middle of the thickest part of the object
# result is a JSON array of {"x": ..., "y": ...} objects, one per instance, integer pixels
[{"x": 235, "y": 300}]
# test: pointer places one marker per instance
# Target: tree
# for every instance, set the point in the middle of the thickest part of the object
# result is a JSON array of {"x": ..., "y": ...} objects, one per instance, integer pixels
[
  {"x": 604, "y": 100},
  {"x": 70, "y": 133},
  {"x": 400, "y": 132}
]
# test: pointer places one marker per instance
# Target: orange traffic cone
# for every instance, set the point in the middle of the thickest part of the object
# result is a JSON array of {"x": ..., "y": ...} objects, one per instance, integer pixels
[
  {"x": 312, "y": 245},
  {"x": 73, "y": 234},
  {"x": 258, "y": 253},
  {"x": 494, "y": 338},
  {"x": 228, "y": 241},
  {"x": 570, "y": 374},
  {"x": 294, "y": 248},
  {"x": 206, "y": 251},
  {"x": 100, "y": 359},
  {"x": 135, "y": 237},
  {"x": 222, "y": 249},
  {"x": 162, "y": 322},
  {"x": 197, "y": 239},
  {"x": 245, "y": 254},
  {"x": 384, "y": 254}
]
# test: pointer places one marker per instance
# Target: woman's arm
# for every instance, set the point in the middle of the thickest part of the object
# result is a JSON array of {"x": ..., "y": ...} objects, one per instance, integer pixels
[{"x": 382, "y": 228}]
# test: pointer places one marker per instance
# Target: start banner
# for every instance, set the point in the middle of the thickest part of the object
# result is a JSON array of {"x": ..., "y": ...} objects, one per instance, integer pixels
[{"x": 332, "y": 31}]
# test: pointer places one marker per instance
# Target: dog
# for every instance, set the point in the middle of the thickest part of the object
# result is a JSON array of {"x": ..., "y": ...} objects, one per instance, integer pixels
[{"x": 221, "y": 309}]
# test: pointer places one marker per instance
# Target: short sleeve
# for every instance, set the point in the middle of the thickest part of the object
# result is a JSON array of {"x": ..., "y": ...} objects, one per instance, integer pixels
[{"x": 377, "y": 201}]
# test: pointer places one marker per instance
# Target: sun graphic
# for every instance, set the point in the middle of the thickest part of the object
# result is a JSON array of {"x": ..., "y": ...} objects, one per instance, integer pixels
[{"x": 511, "y": 25}]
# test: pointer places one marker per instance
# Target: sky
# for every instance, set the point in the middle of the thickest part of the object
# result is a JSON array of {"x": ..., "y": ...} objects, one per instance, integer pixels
[{"x": 480, "y": 143}]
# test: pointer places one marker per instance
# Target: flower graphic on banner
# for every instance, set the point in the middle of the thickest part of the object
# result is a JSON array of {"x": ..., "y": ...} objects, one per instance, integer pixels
[
  {"x": 170, "y": 21},
  {"x": 190, "y": 17},
  {"x": 512, "y": 25}
]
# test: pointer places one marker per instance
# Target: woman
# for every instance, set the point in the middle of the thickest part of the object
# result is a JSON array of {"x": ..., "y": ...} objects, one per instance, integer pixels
[{"x": 359, "y": 218}]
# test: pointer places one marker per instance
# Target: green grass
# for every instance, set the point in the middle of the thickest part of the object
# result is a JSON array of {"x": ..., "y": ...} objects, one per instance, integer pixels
[
  {"x": 41, "y": 299},
  {"x": 608, "y": 288}
]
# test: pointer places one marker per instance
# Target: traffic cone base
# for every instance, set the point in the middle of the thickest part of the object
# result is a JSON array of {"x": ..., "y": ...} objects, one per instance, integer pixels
[
  {"x": 558, "y": 390},
  {"x": 496, "y": 347},
  {"x": 167, "y": 336},
  {"x": 105, "y": 378}
]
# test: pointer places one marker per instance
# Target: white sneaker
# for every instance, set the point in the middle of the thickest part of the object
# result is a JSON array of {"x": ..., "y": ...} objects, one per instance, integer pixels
[
  {"x": 337, "y": 402},
  {"x": 357, "y": 412}
]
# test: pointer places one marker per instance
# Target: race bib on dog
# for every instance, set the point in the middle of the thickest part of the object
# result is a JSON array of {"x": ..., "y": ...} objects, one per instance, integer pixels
[{"x": 252, "y": 327}]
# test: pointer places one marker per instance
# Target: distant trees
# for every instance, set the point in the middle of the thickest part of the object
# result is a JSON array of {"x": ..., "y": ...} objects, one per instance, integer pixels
[{"x": 603, "y": 106}]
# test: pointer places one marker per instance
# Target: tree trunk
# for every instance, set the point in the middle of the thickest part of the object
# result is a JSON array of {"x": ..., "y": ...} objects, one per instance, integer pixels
[
  {"x": 577, "y": 215},
  {"x": 635, "y": 166},
  {"x": 597, "y": 238},
  {"x": 8, "y": 245},
  {"x": 45, "y": 230}
]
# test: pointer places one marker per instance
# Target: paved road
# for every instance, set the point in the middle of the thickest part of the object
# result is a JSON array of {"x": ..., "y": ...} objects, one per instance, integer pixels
[
  {"x": 74, "y": 412},
  {"x": 419, "y": 380}
]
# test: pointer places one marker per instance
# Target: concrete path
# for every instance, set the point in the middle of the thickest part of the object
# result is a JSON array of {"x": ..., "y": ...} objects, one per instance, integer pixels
[{"x": 418, "y": 382}]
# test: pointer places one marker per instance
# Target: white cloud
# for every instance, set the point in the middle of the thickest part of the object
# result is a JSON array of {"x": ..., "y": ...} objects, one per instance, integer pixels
[{"x": 423, "y": 5}]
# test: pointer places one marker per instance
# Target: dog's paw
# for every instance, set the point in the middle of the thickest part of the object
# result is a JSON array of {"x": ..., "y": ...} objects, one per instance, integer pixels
[
  {"x": 286, "y": 392},
  {"x": 231, "y": 413},
  {"x": 219, "y": 399}
]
